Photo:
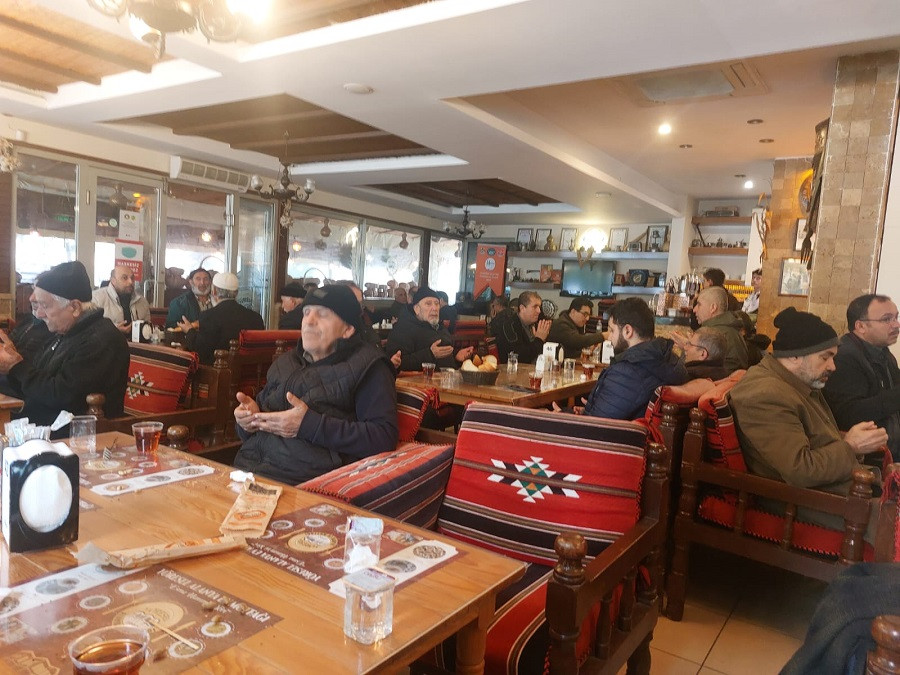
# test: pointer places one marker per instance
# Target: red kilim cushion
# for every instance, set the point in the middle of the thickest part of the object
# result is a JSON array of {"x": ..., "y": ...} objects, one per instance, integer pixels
[
  {"x": 806, "y": 536},
  {"x": 157, "y": 378},
  {"x": 252, "y": 341},
  {"x": 683, "y": 395},
  {"x": 722, "y": 445},
  {"x": 412, "y": 402},
  {"x": 521, "y": 476},
  {"x": 407, "y": 483}
]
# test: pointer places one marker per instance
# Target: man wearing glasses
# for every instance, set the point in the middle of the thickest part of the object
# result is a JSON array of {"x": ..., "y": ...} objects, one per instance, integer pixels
[
  {"x": 568, "y": 328},
  {"x": 866, "y": 382}
]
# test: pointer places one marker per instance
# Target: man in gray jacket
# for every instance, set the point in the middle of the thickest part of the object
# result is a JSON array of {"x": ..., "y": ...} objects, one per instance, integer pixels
[
  {"x": 119, "y": 300},
  {"x": 711, "y": 311}
]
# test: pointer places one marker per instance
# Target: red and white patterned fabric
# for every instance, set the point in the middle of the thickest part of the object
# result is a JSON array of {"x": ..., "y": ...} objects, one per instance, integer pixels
[
  {"x": 412, "y": 403},
  {"x": 158, "y": 378}
]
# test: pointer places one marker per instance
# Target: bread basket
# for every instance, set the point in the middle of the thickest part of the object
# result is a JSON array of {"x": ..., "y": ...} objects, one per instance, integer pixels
[{"x": 479, "y": 376}]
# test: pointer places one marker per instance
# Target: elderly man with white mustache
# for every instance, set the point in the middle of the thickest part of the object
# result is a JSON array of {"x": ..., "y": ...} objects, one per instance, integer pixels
[{"x": 329, "y": 402}]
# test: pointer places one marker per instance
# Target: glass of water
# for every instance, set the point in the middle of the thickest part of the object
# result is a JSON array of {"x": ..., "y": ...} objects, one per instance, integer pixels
[
  {"x": 512, "y": 363},
  {"x": 369, "y": 605},
  {"x": 83, "y": 434}
]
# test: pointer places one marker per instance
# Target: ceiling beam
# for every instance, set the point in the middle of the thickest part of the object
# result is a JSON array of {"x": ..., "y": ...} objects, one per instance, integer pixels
[
  {"x": 418, "y": 191},
  {"x": 68, "y": 42},
  {"x": 238, "y": 122},
  {"x": 19, "y": 81},
  {"x": 278, "y": 144},
  {"x": 371, "y": 154},
  {"x": 67, "y": 73}
]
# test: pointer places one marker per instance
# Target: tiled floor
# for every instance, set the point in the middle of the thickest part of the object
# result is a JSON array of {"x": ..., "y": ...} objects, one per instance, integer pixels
[{"x": 740, "y": 618}]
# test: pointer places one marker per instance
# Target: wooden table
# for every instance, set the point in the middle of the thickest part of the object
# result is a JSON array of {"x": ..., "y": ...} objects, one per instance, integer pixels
[
  {"x": 8, "y": 405},
  {"x": 501, "y": 392},
  {"x": 456, "y": 598}
]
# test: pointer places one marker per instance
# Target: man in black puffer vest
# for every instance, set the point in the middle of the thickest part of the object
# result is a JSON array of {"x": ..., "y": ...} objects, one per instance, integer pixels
[{"x": 329, "y": 402}]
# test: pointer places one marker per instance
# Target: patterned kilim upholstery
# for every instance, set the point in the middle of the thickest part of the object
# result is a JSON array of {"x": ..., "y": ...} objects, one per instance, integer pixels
[
  {"x": 258, "y": 348},
  {"x": 406, "y": 483},
  {"x": 683, "y": 395},
  {"x": 158, "y": 378},
  {"x": 721, "y": 436},
  {"x": 412, "y": 402},
  {"x": 519, "y": 478}
]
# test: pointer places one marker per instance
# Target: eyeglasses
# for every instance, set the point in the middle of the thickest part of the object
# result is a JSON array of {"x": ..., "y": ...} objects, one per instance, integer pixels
[
  {"x": 888, "y": 318},
  {"x": 585, "y": 314}
]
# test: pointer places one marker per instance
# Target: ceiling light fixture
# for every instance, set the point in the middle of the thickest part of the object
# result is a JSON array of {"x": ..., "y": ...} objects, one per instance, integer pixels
[
  {"x": 602, "y": 195},
  {"x": 748, "y": 184},
  {"x": 665, "y": 129},
  {"x": 467, "y": 228},
  {"x": 296, "y": 246},
  {"x": 285, "y": 193},
  {"x": 755, "y": 120},
  {"x": 151, "y": 20},
  {"x": 358, "y": 88},
  {"x": 740, "y": 175},
  {"x": 766, "y": 140}
]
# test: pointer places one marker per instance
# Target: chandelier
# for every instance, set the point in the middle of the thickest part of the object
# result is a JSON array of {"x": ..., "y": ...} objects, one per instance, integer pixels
[
  {"x": 150, "y": 20},
  {"x": 285, "y": 192},
  {"x": 467, "y": 228}
]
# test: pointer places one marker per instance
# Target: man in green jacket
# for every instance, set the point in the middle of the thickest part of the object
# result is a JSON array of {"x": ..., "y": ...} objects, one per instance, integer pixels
[
  {"x": 711, "y": 311},
  {"x": 568, "y": 328},
  {"x": 784, "y": 425}
]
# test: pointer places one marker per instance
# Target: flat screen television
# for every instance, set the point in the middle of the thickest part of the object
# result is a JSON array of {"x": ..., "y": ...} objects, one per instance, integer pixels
[{"x": 594, "y": 278}]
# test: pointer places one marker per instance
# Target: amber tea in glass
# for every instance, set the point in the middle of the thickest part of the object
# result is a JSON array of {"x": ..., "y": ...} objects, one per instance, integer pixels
[
  {"x": 112, "y": 650},
  {"x": 146, "y": 436}
]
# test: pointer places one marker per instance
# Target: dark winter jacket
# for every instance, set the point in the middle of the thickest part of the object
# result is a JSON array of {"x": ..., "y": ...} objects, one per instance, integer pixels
[
  {"x": 626, "y": 385},
  {"x": 865, "y": 387},
  {"x": 29, "y": 336},
  {"x": 291, "y": 320},
  {"x": 185, "y": 305},
  {"x": 512, "y": 336},
  {"x": 219, "y": 326},
  {"x": 92, "y": 357},
  {"x": 735, "y": 348},
  {"x": 352, "y": 413},
  {"x": 414, "y": 337},
  {"x": 711, "y": 369}
]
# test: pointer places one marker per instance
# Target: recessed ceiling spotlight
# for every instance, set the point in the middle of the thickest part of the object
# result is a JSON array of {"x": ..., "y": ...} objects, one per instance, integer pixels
[
  {"x": 766, "y": 140},
  {"x": 755, "y": 120},
  {"x": 740, "y": 175},
  {"x": 748, "y": 184},
  {"x": 685, "y": 146},
  {"x": 357, "y": 88},
  {"x": 665, "y": 129},
  {"x": 603, "y": 194}
]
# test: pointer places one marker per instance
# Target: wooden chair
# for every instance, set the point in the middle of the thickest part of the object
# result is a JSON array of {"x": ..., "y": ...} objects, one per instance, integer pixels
[
  {"x": 885, "y": 659},
  {"x": 719, "y": 508},
  {"x": 520, "y": 479},
  {"x": 167, "y": 385}
]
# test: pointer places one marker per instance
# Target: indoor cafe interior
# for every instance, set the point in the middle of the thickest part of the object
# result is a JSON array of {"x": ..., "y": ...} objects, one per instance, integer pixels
[{"x": 533, "y": 150}]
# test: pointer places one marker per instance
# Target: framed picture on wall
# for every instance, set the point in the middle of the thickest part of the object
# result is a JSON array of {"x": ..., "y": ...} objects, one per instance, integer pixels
[
  {"x": 567, "y": 239},
  {"x": 618, "y": 238},
  {"x": 794, "y": 278},
  {"x": 524, "y": 236},
  {"x": 540, "y": 237},
  {"x": 656, "y": 237}
]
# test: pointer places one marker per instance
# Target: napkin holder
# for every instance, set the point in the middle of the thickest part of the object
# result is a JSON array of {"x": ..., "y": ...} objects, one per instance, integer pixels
[
  {"x": 141, "y": 331},
  {"x": 553, "y": 352},
  {"x": 40, "y": 502}
]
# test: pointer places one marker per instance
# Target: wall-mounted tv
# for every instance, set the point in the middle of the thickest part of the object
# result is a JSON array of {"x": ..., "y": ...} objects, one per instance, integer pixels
[{"x": 593, "y": 278}]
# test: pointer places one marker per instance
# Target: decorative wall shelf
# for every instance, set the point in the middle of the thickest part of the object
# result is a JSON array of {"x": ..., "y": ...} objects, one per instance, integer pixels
[
  {"x": 727, "y": 220},
  {"x": 714, "y": 250},
  {"x": 605, "y": 255},
  {"x": 637, "y": 290},
  {"x": 534, "y": 285}
]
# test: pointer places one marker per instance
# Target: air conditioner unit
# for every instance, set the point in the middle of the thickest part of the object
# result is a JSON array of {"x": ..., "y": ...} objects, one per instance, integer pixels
[{"x": 190, "y": 170}]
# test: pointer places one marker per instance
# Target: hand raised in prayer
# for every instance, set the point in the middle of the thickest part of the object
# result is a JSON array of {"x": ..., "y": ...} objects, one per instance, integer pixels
[
  {"x": 9, "y": 355},
  {"x": 285, "y": 423}
]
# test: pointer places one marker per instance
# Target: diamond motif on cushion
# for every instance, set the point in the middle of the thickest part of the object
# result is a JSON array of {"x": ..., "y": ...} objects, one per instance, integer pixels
[
  {"x": 139, "y": 380},
  {"x": 531, "y": 487}
]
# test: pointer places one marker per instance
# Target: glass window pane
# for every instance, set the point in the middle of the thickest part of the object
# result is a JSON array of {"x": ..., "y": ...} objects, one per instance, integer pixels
[
  {"x": 444, "y": 265},
  {"x": 195, "y": 235},
  {"x": 45, "y": 214},
  {"x": 386, "y": 258},
  {"x": 255, "y": 253},
  {"x": 127, "y": 209},
  {"x": 312, "y": 255}
]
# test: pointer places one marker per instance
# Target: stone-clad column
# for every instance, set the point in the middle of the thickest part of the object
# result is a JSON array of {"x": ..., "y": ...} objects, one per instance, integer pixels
[{"x": 855, "y": 181}]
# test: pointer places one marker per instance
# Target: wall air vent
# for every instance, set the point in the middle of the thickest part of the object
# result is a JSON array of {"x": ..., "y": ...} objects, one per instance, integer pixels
[
  {"x": 192, "y": 171},
  {"x": 701, "y": 83}
]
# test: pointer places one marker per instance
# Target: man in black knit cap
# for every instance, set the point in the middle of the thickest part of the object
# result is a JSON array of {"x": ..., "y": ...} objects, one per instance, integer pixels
[
  {"x": 328, "y": 402},
  {"x": 785, "y": 427},
  {"x": 85, "y": 353}
]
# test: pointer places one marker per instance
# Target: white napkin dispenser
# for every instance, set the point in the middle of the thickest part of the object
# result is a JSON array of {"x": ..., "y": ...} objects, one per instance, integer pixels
[
  {"x": 552, "y": 352},
  {"x": 40, "y": 502}
]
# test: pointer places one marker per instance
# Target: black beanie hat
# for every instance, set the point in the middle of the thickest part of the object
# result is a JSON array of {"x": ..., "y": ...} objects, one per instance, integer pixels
[
  {"x": 293, "y": 290},
  {"x": 424, "y": 292},
  {"x": 801, "y": 333},
  {"x": 68, "y": 280},
  {"x": 339, "y": 299}
]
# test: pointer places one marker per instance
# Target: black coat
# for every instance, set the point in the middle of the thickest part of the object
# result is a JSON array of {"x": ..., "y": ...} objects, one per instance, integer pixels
[
  {"x": 512, "y": 336},
  {"x": 291, "y": 320},
  {"x": 91, "y": 358},
  {"x": 220, "y": 325},
  {"x": 414, "y": 338},
  {"x": 865, "y": 387}
]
